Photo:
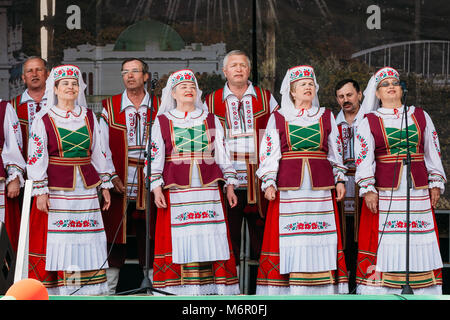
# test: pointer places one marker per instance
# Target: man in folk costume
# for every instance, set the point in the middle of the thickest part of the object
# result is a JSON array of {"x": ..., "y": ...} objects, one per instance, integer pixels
[
  {"x": 12, "y": 169},
  {"x": 32, "y": 100},
  {"x": 243, "y": 110},
  {"x": 300, "y": 165},
  {"x": 381, "y": 148},
  {"x": 125, "y": 123},
  {"x": 27, "y": 105},
  {"x": 193, "y": 254},
  {"x": 349, "y": 96}
]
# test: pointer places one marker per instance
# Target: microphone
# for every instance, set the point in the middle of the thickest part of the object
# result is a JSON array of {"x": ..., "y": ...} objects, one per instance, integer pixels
[
  {"x": 405, "y": 91},
  {"x": 404, "y": 87}
]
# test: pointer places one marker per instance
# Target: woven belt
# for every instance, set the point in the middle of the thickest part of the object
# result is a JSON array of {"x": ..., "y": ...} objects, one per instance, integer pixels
[
  {"x": 189, "y": 156},
  {"x": 136, "y": 162},
  {"x": 304, "y": 155},
  {"x": 77, "y": 161},
  {"x": 415, "y": 157}
]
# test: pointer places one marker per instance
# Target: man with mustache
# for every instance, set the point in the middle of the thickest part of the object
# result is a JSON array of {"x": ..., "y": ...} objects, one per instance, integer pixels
[
  {"x": 349, "y": 97},
  {"x": 124, "y": 125}
]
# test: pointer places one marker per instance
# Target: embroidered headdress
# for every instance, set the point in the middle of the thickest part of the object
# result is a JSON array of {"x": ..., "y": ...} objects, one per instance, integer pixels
[
  {"x": 292, "y": 75},
  {"x": 385, "y": 73},
  {"x": 64, "y": 72},
  {"x": 167, "y": 101},
  {"x": 371, "y": 102}
]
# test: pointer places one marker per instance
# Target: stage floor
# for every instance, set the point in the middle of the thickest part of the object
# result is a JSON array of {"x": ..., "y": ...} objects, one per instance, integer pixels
[{"x": 237, "y": 298}]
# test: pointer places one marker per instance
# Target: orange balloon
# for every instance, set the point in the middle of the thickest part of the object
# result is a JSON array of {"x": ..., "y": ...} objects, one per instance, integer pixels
[{"x": 28, "y": 289}]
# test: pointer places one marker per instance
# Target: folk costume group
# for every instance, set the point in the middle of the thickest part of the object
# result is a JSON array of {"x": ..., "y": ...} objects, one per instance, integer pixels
[{"x": 237, "y": 154}]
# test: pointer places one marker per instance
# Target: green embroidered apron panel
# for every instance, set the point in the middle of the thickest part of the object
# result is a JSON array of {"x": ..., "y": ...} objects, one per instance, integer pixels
[
  {"x": 75, "y": 143},
  {"x": 304, "y": 138},
  {"x": 397, "y": 139},
  {"x": 194, "y": 139}
]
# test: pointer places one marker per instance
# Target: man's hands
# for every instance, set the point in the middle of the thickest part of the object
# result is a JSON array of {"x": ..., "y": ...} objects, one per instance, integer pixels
[
  {"x": 231, "y": 196},
  {"x": 340, "y": 191},
  {"x": 118, "y": 185},
  {"x": 13, "y": 188},
  {"x": 106, "y": 199}
]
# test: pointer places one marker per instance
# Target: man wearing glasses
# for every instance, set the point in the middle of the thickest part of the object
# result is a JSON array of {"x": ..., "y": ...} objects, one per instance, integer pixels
[{"x": 125, "y": 124}]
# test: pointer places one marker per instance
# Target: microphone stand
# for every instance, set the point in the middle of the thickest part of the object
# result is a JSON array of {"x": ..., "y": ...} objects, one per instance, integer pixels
[
  {"x": 146, "y": 284},
  {"x": 406, "y": 289}
]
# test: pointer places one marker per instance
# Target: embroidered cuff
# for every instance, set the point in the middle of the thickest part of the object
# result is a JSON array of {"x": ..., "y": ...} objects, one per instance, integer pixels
[
  {"x": 40, "y": 187},
  {"x": 339, "y": 176},
  {"x": 436, "y": 181},
  {"x": 156, "y": 180},
  {"x": 106, "y": 181},
  {"x": 231, "y": 178},
  {"x": 13, "y": 172},
  {"x": 366, "y": 188},
  {"x": 268, "y": 183},
  {"x": 269, "y": 179}
]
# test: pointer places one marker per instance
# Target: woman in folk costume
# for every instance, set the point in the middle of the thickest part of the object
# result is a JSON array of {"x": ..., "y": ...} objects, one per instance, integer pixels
[
  {"x": 12, "y": 168},
  {"x": 380, "y": 147},
  {"x": 193, "y": 254},
  {"x": 67, "y": 165},
  {"x": 300, "y": 165}
]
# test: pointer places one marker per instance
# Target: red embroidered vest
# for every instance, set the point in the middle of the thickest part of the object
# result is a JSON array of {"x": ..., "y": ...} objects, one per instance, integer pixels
[
  {"x": 389, "y": 166},
  {"x": 61, "y": 171},
  {"x": 291, "y": 165},
  {"x": 22, "y": 114},
  {"x": 3, "y": 105},
  {"x": 177, "y": 167},
  {"x": 261, "y": 113}
]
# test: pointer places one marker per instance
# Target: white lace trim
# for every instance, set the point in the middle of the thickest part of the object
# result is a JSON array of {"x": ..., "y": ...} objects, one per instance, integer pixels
[
  {"x": 63, "y": 116},
  {"x": 311, "y": 115},
  {"x": 329, "y": 289},
  {"x": 364, "y": 190},
  {"x": 14, "y": 172},
  {"x": 387, "y": 113},
  {"x": 199, "y": 290},
  {"x": 371, "y": 290}
]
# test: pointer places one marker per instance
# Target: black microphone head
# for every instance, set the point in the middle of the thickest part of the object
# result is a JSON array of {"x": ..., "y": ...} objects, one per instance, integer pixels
[
  {"x": 153, "y": 83},
  {"x": 403, "y": 85}
]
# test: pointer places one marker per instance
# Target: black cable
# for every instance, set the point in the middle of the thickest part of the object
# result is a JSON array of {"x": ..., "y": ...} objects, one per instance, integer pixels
[
  {"x": 115, "y": 235},
  {"x": 393, "y": 181}
]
